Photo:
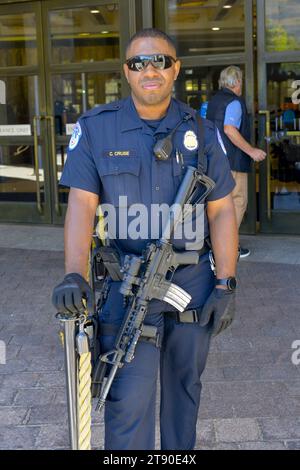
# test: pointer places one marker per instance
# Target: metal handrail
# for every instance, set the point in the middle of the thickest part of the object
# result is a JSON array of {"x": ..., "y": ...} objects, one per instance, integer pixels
[
  {"x": 51, "y": 119},
  {"x": 266, "y": 113},
  {"x": 36, "y": 119}
]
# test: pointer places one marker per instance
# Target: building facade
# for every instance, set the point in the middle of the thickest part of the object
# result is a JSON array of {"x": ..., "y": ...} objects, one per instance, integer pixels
[{"x": 59, "y": 58}]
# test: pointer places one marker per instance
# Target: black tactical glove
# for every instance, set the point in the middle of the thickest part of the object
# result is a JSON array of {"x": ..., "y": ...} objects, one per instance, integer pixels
[
  {"x": 217, "y": 305},
  {"x": 67, "y": 296}
]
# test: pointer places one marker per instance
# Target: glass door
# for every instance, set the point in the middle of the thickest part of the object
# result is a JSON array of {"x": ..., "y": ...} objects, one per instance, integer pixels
[
  {"x": 24, "y": 171},
  {"x": 58, "y": 59},
  {"x": 278, "y": 46},
  {"x": 83, "y": 58}
]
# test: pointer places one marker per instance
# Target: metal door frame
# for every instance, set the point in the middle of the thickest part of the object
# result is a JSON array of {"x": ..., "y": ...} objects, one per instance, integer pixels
[
  {"x": 127, "y": 28},
  {"x": 17, "y": 211},
  {"x": 270, "y": 221}
]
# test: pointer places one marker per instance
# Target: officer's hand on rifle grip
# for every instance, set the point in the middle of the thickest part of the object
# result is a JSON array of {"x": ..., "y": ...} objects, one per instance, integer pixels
[
  {"x": 68, "y": 295},
  {"x": 217, "y": 305}
]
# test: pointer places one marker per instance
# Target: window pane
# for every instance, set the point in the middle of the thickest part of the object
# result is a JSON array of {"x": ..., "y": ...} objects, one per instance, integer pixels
[
  {"x": 282, "y": 25},
  {"x": 18, "y": 100},
  {"x": 196, "y": 85},
  {"x": 207, "y": 26},
  {"x": 18, "y": 173},
  {"x": 18, "y": 40},
  {"x": 85, "y": 34},
  {"x": 284, "y": 103},
  {"x": 75, "y": 93}
]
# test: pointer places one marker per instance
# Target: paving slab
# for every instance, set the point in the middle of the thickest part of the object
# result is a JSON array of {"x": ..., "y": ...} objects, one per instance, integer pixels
[
  {"x": 237, "y": 430},
  {"x": 251, "y": 388}
]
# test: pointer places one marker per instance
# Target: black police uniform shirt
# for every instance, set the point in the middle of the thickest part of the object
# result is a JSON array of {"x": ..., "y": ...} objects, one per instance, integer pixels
[{"x": 111, "y": 154}]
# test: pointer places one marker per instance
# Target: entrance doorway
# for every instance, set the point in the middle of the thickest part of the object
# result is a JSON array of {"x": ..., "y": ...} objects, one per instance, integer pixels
[
  {"x": 262, "y": 37},
  {"x": 278, "y": 65},
  {"x": 210, "y": 36},
  {"x": 58, "y": 59}
]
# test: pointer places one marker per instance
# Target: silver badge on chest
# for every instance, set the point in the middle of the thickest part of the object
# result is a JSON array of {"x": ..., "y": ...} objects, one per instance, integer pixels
[{"x": 190, "y": 140}]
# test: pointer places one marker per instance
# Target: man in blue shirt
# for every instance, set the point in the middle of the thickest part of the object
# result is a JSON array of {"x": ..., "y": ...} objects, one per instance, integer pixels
[
  {"x": 111, "y": 157},
  {"x": 228, "y": 111}
]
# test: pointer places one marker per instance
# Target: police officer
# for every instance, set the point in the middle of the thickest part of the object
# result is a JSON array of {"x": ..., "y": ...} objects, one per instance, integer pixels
[
  {"x": 111, "y": 156},
  {"x": 228, "y": 111}
]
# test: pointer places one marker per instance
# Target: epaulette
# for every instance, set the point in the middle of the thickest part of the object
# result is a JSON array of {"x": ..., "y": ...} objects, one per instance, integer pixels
[
  {"x": 114, "y": 106},
  {"x": 185, "y": 108},
  {"x": 209, "y": 125}
]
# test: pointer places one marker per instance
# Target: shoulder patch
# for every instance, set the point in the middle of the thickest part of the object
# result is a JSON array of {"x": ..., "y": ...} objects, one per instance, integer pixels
[{"x": 76, "y": 136}]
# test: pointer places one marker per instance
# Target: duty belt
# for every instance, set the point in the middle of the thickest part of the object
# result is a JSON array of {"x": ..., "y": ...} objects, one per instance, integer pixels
[
  {"x": 189, "y": 316},
  {"x": 204, "y": 249},
  {"x": 149, "y": 333}
]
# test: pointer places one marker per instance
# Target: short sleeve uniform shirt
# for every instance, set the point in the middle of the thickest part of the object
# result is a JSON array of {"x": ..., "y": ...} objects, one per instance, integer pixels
[{"x": 111, "y": 154}]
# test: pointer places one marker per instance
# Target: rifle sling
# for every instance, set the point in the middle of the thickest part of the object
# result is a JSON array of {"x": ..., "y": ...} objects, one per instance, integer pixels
[{"x": 202, "y": 158}]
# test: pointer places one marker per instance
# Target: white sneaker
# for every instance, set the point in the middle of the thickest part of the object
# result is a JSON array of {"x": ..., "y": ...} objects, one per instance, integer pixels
[{"x": 244, "y": 252}]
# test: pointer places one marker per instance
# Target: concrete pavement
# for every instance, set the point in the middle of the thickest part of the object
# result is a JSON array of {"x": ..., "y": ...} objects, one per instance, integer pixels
[{"x": 251, "y": 388}]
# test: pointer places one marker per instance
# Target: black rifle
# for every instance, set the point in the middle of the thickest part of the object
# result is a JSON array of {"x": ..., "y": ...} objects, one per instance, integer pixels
[{"x": 144, "y": 279}]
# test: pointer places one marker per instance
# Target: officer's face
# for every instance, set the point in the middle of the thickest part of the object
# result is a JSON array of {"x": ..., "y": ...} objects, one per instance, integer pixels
[{"x": 151, "y": 86}]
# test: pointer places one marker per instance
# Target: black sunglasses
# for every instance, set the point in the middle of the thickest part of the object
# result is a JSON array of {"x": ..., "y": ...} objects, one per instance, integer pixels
[{"x": 159, "y": 61}]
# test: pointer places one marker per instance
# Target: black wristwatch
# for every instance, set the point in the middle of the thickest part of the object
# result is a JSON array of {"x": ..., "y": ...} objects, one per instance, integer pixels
[{"x": 229, "y": 282}]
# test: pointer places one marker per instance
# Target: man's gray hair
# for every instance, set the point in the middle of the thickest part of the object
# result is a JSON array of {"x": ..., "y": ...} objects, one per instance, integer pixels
[{"x": 230, "y": 76}]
